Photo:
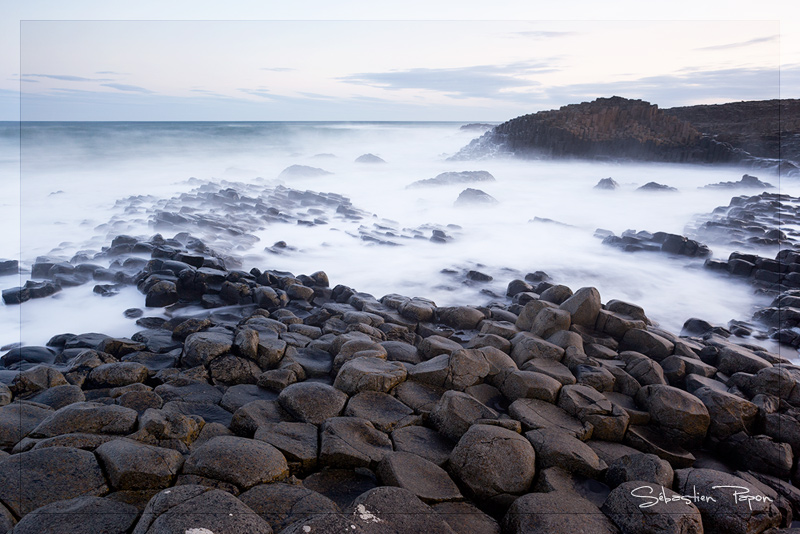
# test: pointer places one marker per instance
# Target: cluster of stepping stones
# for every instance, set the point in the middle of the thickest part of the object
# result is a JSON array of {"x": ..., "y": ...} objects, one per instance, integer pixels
[{"x": 291, "y": 406}]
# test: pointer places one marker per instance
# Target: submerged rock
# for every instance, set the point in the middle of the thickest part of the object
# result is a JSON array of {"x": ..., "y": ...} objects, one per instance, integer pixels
[
  {"x": 303, "y": 171},
  {"x": 472, "y": 197},
  {"x": 452, "y": 177},
  {"x": 607, "y": 183},
  {"x": 369, "y": 158}
]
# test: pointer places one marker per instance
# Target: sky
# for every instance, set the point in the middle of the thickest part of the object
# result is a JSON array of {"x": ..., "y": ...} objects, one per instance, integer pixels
[{"x": 354, "y": 60}]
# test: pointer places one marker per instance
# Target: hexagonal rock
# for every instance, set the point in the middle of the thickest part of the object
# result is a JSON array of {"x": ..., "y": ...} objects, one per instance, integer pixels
[
  {"x": 729, "y": 413},
  {"x": 35, "y": 379},
  {"x": 350, "y": 442},
  {"x": 641, "y": 467},
  {"x": 722, "y": 512},
  {"x": 375, "y": 512},
  {"x": 609, "y": 422},
  {"x": 89, "y": 417},
  {"x": 679, "y": 414},
  {"x": 460, "y": 317},
  {"x": 583, "y": 306},
  {"x": 759, "y": 453},
  {"x": 636, "y": 509},
  {"x": 648, "y": 343},
  {"x": 489, "y": 460},
  {"x": 369, "y": 374},
  {"x": 555, "y": 448},
  {"x": 158, "y": 426},
  {"x": 202, "y": 347},
  {"x": 29, "y": 480},
  {"x": 18, "y": 419},
  {"x": 557, "y": 511},
  {"x": 312, "y": 402},
  {"x": 281, "y": 504},
  {"x": 530, "y": 385},
  {"x": 111, "y": 375},
  {"x": 423, "y": 442},
  {"x": 456, "y": 411},
  {"x": 549, "y": 321},
  {"x": 240, "y": 461},
  {"x": 426, "y": 480},
  {"x": 81, "y": 515},
  {"x": 551, "y": 368},
  {"x": 298, "y": 442},
  {"x": 247, "y": 419},
  {"x": 382, "y": 410},
  {"x": 735, "y": 359},
  {"x": 131, "y": 465},
  {"x": 466, "y": 367},
  {"x": 526, "y": 346},
  {"x": 534, "y": 414},
  {"x": 195, "y": 509},
  {"x": 435, "y": 345},
  {"x": 651, "y": 440}
]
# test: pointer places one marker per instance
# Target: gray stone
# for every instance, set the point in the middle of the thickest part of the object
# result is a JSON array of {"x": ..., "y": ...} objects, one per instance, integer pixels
[
  {"x": 466, "y": 518},
  {"x": 350, "y": 442},
  {"x": 489, "y": 461},
  {"x": 679, "y": 414},
  {"x": 30, "y": 480},
  {"x": 240, "y": 461},
  {"x": 385, "y": 412},
  {"x": 18, "y": 419},
  {"x": 426, "y": 480},
  {"x": 423, "y": 442},
  {"x": 535, "y": 414},
  {"x": 111, "y": 375},
  {"x": 312, "y": 402},
  {"x": 526, "y": 346},
  {"x": 636, "y": 509},
  {"x": 81, "y": 515},
  {"x": 281, "y": 504},
  {"x": 583, "y": 306},
  {"x": 557, "y": 511},
  {"x": 202, "y": 347},
  {"x": 556, "y": 448},
  {"x": 648, "y": 343},
  {"x": 551, "y": 368},
  {"x": 369, "y": 374},
  {"x": 298, "y": 442},
  {"x": 729, "y": 414},
  {"x": 456, "y": 411},
  {"x": 375, "y": 512},
  {"x": 131, "y": 465},
  {"x": 549, "y": 321},
  {"x": 530, "y": 385},
  {"x": 642, "y": 467},
  {"x": 90, "y": 417}
]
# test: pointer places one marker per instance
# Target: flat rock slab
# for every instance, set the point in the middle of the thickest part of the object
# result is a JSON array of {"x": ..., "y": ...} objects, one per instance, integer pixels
[
  {"x": 82, "y": 515},
  {"x": 59, "y": 396},
  {"x": 281, "y": 504},
  {"x": 385, "y": 412},
  {"x": 211, "y": 413},
  {"x": 193, "y": 392},
  {"x": 466, "y": 518},
  {"x": 641, "y": 467},
  {"x": 240, "y": 461},
  {"x": 456, "y": 411},
  {"x": 33, "y": 479},
  {"x": 369, "y": 374},
  {"x": 237, "y": 396},
  {"x": 426, "y": 480},
  {"x": 646, "y": 439},
  {"x": 424, "y": 442},
  {"x": 376, "y": 511},
  {"x": 195, "y": 509},
  {"x": 490, "y": 460},
  {"x": 131, "y": 465},
  {"x": 298, "y": 442},
  {"x": 350, "y": 442},
  {"x": 534, "y": 414},
  {"x": 555, "y": 448}
]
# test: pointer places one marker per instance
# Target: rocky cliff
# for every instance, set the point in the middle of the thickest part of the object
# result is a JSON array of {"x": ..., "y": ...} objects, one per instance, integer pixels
[
  {"x": 766, "y": 128},
  {"x": 604, "y": 128}
]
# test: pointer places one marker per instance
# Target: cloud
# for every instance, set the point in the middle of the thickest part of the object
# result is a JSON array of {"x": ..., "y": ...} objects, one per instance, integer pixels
[
  {"x": 124, "y": 87},
  {"x": 740, "y": 44},
  {"x": 68, "y": 78},
  {"x": 482, "y": 81},
  {"x": 112, "y": 72},
  {"x": 263, "y": 93},
  {"x": 544, "y": 34},
  {"x": 278, "y": 69}
]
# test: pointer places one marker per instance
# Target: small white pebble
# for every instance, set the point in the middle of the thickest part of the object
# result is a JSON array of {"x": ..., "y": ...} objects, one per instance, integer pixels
[
  {"x": 306, "y": 529},
  {"x": 199, "y": 531}
]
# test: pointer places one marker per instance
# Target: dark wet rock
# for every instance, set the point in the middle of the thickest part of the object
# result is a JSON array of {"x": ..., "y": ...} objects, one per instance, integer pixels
[
  {"x": 59, "y": 396},
  {"x": 456, "y": 411},
  {"x": 489, "y": 461},
  {"x": 163, "y": 293},
  {"x": 36, "y": 379},
  {"x": 759, "y": 453},
  {"x": 654, "y": 186},
  {"x": 369, "y": 374},
  {"x": 231, "y": 370},
  {"x": 247, "y": 419},
  {"x": 169, "y": 429},
  {"x": 747, "y": 181},
  {"x": 607, "y": 184},
  {"x": 426, "y": 480},
  {"x": 375, "y": 512},
  {"x": 240, "y": 461},
  {"x": 724, "y": 514},
  {"x": 117, "y": 374},
  {"x": 131, "y": 465},
  {"x": 729, "y": 413},
  {"x": 537, "y": 414},
  {"x": 447, "y": 178},
  {"x": 296, "y": 441},
  {"x": 609, "y": 422},
  {"x": 351, "y": 442},
  {"x": 474, "y": 197},
  {"x": 530, "y": 385},
  {"x": 202, "y": 347},
  {"x": 29, "y": 354},
  {"x": 680, "y": 415},
  {"x": 385, "y": 412},
  {"x": 196, "y": 509},
  {"x": 670, "y": 515},
  {"x": 81, "y": 515},
  {"x": 281, "y": 504},
  {"x": 564, "y": 511},
  {"x": 466, "y": 518},
  {"x": 30, "y": 480},
  {"x": 190, "y": 391}
]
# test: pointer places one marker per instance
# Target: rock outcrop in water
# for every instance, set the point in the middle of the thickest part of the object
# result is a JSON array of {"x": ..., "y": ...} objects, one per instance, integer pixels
[
  {"x": 298, "y": 407},
  {"x": 606, "y": 128}
]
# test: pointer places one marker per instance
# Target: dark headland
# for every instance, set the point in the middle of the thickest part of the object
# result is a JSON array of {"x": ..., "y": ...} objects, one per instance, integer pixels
[{"x": 294, "y": 405}]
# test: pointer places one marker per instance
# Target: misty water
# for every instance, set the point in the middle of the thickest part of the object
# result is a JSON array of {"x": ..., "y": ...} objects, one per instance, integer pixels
[{"x": 68, "y": 188}]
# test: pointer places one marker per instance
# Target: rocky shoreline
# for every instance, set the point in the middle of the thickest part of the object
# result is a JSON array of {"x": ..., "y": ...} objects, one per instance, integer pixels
[{"x": 293, "y": 406}]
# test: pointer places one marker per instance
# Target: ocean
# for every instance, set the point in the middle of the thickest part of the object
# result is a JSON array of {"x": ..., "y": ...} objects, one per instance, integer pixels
[{"x": 71, "y": 187}]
